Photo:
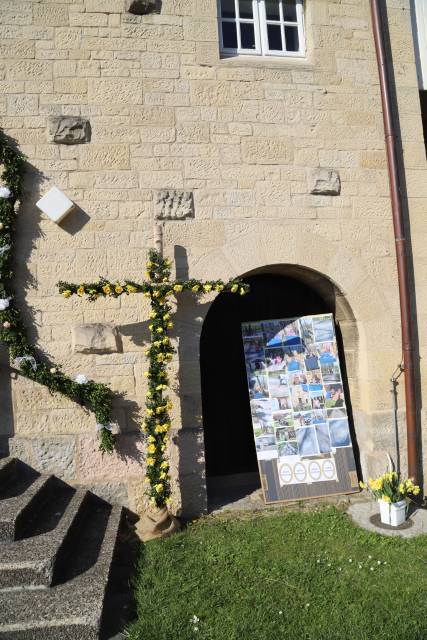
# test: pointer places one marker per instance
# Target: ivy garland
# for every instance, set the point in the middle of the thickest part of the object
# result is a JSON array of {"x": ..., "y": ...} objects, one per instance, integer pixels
[
  {"x": 96, "y": 397},
  {"x": 158, "y": 288}
]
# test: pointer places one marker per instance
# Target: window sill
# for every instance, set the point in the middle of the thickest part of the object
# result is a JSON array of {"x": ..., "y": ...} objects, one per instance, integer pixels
[{"x": 262, "y": 62}]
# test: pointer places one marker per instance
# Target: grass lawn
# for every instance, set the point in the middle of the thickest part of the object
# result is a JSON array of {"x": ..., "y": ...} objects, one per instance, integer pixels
[{"x": 286, "y": 576}]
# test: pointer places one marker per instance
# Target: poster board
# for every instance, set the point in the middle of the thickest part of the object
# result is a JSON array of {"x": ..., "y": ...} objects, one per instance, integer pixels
[{"x": 298, "y": 407}]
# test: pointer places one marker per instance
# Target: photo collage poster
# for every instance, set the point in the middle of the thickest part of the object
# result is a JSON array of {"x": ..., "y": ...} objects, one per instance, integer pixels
[{"x": 298, "y": 406}]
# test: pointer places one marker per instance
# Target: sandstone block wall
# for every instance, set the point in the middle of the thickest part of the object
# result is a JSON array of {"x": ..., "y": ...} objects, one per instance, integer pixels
[{"x": 244, "y": 135}]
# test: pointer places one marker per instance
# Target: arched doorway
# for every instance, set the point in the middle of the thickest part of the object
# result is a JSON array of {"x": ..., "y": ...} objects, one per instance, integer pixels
[{"x": 280, "y": 291}]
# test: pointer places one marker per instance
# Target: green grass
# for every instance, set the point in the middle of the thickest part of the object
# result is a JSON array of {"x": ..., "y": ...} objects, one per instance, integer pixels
[{"x": 288, "y": 576}]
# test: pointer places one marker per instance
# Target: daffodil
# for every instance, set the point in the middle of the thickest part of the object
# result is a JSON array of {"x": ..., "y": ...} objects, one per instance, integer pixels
[
  {"x": 81, "y": 291},
  {"x": 67, "y": 293},
  {"x": 130, "y": 288},
  {"x": 150, "y": 461},
  {"x": 195, "y": 288},
  {"x": 159, "y": 487},
  {"x": 178, "y": 288},
  {"x": 106, "y": 289},
  {"x": 234, "y": 288},
  {"x": 159, "y": 330},
  {"x": 151, "y": 448},
  {"x": 118, "y": 289},
  {"x": 207, "y": 287}
]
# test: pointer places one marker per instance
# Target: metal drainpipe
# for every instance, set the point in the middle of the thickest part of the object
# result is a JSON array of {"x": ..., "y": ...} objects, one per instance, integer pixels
[{"x": 400, "y": 243}]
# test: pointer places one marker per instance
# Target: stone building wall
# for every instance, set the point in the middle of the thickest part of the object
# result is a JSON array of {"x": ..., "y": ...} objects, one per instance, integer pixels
[{"x": 245, "y": 135}]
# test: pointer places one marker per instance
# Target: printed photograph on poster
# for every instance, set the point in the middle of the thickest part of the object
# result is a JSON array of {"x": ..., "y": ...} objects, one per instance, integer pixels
[
  {"x": 278, "y": 384},
  {"x": 252, "y": 330},
  {"x": 297, "y": 378},
  {"x": 285, "y": 434},
  {"x": 336, "y": 413},
  {"x": 319, "y": 416},
  {"x": 323, "y": 439},
  {"x": 334, "y": 395},
  {"x": 261, "y": 411},
  {"x": 306, "y": 331},
  {"x": 287, "y": 449},
  {"x": 300, "y": 399},
  {"x": 314, "y": 377},
  {"x": 303, "y": 419},
  {"x": 323, "y": 328},
  {"x": 317, "y": 399},
  {"x": 281, "y": 404},
  {"x": 327, "y": 352},
  {"x": 262, "y": 428},
  {"x": 281, "y": 332},
  {"x": 307, "y": 441},
  {"x": 330, "y": 373},
  {"x": 340, "y": 433},
  {"x": 275, "y": 359},
  {"x": 294, "y": 359},
  {"x": 283, "y": 419},
  {"x": 266, "y": 447},
  {"x": 311, "y": 360},
  {"x": 258, "y": 387}
]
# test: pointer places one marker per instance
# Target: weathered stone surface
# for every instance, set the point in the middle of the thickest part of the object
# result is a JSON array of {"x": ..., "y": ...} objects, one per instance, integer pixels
[
  {"x": 95, "y": 338},
  {"x": 68, "y": 130},
  {"x": 142, "y": 7},
  {"x": 171, "y": 204},
  {"x": 324, "y": 182},
  {"x": 55, "y": 455}
]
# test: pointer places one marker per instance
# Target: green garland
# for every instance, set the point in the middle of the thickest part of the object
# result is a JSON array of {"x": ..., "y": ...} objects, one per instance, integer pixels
[
  {"x": 158, "y": 288},
  {"x": 96, "y": 397}
]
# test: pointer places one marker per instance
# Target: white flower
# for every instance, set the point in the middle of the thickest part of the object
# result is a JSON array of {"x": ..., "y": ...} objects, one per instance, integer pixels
[
  {"x": 195, "y": 619},
  {"x": 280, "y": 613},
  {"x": 5, "y": 192},
  {"x": 378, "y": 561},
  {"x": 372, "y": 568},
  {"x": 4, "y": 303},
  {"x": 4, "y": 249},
  {"x": 100, "y": 426},
  {"x": 81, "y": 378}
]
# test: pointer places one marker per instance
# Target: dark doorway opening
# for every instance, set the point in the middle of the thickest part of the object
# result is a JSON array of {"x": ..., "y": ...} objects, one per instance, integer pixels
[{"x": 231, "y": 463}]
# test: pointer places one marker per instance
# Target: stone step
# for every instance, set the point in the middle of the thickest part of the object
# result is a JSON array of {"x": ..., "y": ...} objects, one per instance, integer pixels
[
  {"x": 15, "y": 477},
  {"x": 72, "y": 608},
  {"x": 32, "y": 561},
  {"x": 17, "y": 511}
]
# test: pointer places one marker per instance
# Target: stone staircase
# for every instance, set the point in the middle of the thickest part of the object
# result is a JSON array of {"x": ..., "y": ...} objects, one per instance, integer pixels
[{"x": 56, "y": 552}]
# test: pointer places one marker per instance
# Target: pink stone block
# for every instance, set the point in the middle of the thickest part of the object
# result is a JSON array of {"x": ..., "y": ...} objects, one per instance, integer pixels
[{"x": 128, "y": 459}]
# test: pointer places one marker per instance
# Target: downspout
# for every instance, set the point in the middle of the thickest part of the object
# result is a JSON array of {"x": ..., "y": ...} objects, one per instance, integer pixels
[{"x": 400, "y": 243}]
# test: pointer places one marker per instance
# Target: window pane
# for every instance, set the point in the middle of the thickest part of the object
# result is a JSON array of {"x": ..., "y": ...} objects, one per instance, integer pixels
[
  {"x": 272, "y": 10},
  {"x": 229, "y": 35},
  {"x": 290, "y": 10},
  {"x": 245, "y": 9},
  {"x": 247, "y": 35},
  {"x": 227, "y": 9},
  {"x": 274, "y": 37},
  {"x": 291, "y": 37}
]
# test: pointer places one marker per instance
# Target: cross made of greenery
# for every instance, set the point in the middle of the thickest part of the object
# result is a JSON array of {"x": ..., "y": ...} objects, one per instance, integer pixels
[{"x": 159, "y": 288}]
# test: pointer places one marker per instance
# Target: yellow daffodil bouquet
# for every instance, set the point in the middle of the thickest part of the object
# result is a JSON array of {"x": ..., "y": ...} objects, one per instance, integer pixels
[{"x": 390, "y": 487}]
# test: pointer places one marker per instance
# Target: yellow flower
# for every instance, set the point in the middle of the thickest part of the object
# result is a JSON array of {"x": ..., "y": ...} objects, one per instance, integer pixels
[
  {"x": 386, "y": 499},
  {"x": 159, "y": 330},
  {"x": 162, "y": 475},
  {"x": 195, "y": 288},
  {"x": 166, "y": 316},
  {"x": 160, "y": 387},
  {"x": 178, "y": 288},
  {"x": 67, "y": 293},
  {"x": 147, "y": 374},
  {"x": 234, "y": 288},
  {"x": 219, "y": 287},
  {"x": 168, "y": 263},
  {"x": 169, "y": 293},
  {"x": 157, "y": 343},
  {"x": 160, "y": 357},
  {"x": 158, "y": 487},
  {"x": 118, "y": 288},
  {"x": 150, "y": 461},
  {"x": 148, "y": 394},
  {"x": 130, "y": 288},
  {"x": 151, "y": 439},
  {"x": 164, "y": 279},
  {"x": 148, "y": 275},
  {"x": 158, "y": 429},
  {"x": 170, "y": 325},
  {"x": 81, "y": 291},
  {"x": 207, "y": 287},
  {"x": 149, "y": 264},
  {"x": 150, "y": 412},
  {"x": 153, "y": 314},
  {"x": 106, "y": 289},
  {"x": 151, "y": 327},
  {"x": 362, "y": 485},
  {"x": 164, "y": 465},
  {"x": 165, "y": 340},
  {"x": 416, "y": 490},
  {"x": 151, "y": 448},
  {"x": 242, "y": 291},
  {"x": 147, "y": 294},
  {"x": 156, "y": 293}
]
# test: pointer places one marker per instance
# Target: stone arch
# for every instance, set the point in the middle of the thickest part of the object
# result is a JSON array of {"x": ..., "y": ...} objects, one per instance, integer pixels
[{"x": 340, "y": 277}]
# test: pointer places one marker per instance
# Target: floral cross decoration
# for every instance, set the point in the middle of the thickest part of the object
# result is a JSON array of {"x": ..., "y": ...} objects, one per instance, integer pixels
[{"x": 160, "y": 290}]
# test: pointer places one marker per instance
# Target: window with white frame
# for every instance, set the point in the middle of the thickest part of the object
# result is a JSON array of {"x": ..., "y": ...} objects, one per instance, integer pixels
[{"x": 262, "y": 27}]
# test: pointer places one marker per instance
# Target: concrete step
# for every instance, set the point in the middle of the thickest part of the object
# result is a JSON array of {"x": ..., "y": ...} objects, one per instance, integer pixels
[
  {"x": 17, "y": 511},
  {"x": 73, "y": 607},
  {"x": 32, "y": 561}
]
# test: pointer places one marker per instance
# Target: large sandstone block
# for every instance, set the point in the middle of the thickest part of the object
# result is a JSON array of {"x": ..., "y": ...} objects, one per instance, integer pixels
[
  {"x": 267, "y": 150},
  {"x": 95, "y": 338},
  {"x": 68, "y": 130},
  {"x": 324, "y": 182},
  {"x": 104, "y": 156}
]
